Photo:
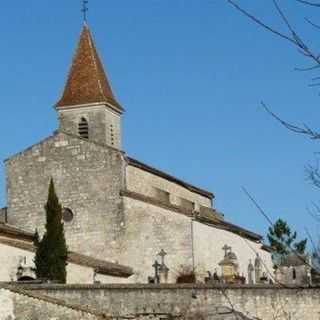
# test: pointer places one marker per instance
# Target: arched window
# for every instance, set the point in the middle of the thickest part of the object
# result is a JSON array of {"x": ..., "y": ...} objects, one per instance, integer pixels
[
  {"x": 83, "y": 128},
  {"x": 294, "y": 274}
]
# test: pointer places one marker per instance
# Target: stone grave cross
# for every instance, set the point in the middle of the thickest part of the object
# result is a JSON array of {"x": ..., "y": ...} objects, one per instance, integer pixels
[
  {"x": 162, "y": 254},
  {"x": 226, "y": 248}
]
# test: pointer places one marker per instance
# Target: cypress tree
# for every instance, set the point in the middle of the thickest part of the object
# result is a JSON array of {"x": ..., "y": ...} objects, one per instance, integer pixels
[{"x": 51, "y": 250}]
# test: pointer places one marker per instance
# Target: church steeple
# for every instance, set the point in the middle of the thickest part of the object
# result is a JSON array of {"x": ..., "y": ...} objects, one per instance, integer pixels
[
  {"x": 87, "y": 82},
  {"x": 88, "y": 98}
]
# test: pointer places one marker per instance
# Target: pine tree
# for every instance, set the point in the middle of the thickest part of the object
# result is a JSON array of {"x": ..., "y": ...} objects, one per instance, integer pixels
[
  {"x": 51, "y": 254},
  {"x": 283, "y": 240}
]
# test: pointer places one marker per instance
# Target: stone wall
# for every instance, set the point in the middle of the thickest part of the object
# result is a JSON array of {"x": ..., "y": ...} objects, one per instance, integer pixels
[
  {"x": 3, "y": 215},
  {"x": 22, "y": 306},
  {"x": 17, "y": 304},
  {"x": 10, "y": 258},
  {"x": 88, "y": 179},
  {"x": 146, "y": 183},
  {"x": 150, "y": 228},
  {"x": 208, "y": 244},
  {"x": 9, "y": 261},
  {"x": 298, "y": 275},
  {"x": 263, "y": 303}
]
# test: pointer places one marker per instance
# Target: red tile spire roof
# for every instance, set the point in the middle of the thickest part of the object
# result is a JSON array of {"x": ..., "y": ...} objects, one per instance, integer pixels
[{"x": 87, "y": 81}]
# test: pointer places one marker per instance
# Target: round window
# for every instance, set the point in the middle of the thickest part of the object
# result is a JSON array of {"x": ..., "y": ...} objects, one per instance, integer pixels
[{"x": 67, "y": 215}]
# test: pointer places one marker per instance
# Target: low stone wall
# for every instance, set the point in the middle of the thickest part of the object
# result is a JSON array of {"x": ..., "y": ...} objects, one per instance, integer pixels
[
  {"x": 263, "y": 302},
  {"x": 17, "y": 304},
  {"x": 24, "y": 306}
]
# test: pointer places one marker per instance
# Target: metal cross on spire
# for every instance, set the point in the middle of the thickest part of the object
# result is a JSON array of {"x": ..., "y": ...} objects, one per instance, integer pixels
[{"x": 85, "y": 9}]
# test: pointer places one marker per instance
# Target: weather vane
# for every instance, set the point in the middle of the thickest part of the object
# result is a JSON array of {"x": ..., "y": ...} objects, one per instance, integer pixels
[{"x": 85, "y": 9}]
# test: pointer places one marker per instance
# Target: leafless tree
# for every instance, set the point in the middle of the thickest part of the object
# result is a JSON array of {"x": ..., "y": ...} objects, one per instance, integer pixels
[{"x": 292, "y": 37}]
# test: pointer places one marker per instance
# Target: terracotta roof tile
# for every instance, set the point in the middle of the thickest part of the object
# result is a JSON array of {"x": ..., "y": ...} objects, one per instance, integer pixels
[{"x": 87, "y": 81}]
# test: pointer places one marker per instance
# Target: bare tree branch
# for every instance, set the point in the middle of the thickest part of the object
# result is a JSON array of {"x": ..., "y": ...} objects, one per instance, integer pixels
[
  {"x": 312, "y": 23},
  {"x": 259, "y": 22},
  {"x": 317, "y": 208},
  {"x": 294, "y": 39},
  {"x": 301, "y": 130},
  {"x": 308, "y": 68},
  {"x": 313, "y": 174},
  {"x": 272, "y": 225},
  {"x": 313, "y": 215},
  {"x": 311, "y": 240},
  {"x": 257, "y": 205},
  {"x": 292, "y": 36},
  {"x": 314, "y": 4}
]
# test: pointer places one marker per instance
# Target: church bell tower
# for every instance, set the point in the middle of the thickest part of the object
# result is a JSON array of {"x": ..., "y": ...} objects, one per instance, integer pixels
[{"x": 88, "y": 107}]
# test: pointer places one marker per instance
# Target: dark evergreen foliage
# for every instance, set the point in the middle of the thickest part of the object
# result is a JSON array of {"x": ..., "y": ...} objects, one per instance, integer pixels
[
  {"x": 283, "y": 241},
  {"x": 51, "y": 254},
  {"x": 36, "y": 240}
]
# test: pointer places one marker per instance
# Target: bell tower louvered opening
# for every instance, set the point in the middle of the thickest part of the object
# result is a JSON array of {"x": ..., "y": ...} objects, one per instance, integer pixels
[{"x": 83, "y": 128}]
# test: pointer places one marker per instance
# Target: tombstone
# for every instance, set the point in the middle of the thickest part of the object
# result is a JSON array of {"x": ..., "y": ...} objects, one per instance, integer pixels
[
  {"x": 163, "y": 270},
  {"x": 229, "y": 265},
  {"x": 162, "y": 255},
  {"x": 257, "y": 269},
  {"x": 264, "y": 278},
  {"x": 226, "y": 250},
  {"x": 278, "y": 275},
  {"x": 24, "y": 271},
  {"x": 250, "y": 272},
  {"x": 163, "y": 274}
]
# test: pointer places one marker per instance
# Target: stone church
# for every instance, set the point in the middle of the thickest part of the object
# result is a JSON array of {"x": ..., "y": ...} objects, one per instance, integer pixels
[{"x": 125, "y": 221}]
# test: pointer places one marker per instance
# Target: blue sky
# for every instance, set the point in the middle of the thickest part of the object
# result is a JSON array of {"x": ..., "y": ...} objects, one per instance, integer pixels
[{"x": 191, "y": 75}]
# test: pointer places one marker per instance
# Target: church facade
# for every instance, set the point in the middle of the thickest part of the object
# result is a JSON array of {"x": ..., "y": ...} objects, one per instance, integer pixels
[{"x": 133, "y": 219}]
